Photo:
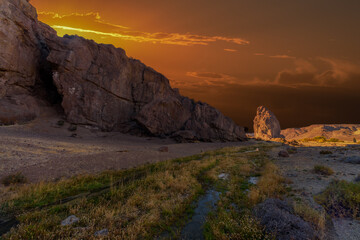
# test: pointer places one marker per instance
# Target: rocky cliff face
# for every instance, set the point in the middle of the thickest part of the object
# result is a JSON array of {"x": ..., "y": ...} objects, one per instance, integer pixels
[
  {"x": 266, "y": 125},
  {"x": 95, "y": 84}
]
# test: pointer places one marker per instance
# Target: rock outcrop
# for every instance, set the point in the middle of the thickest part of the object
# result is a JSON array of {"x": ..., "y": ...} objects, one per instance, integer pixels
[
  {"x": 266, "y": 125},
  {"x": 343, "y": 132},
  {"x": 95, "y": 84},
  {"x": 279, "y": 218}
]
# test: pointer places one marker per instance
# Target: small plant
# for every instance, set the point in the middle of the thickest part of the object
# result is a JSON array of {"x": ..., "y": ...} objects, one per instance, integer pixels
[
  {"x": 317, "y": 218},
  {"x": 320, "y": 139},
  {"x": 323, "y": 170},
  {"x": 325, "y": 152},
  {"x": 12, "y": 179},
  {"x": 341, "y": 199}
]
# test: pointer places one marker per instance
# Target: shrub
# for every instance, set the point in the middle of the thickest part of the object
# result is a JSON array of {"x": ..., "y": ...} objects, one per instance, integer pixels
[
  {"x": 311, "y": 215},
  {"x": 323, "y": 170},
  {"x": 16, "y": 178},
  {"x": 341, "y": 199},
  {"x": 326, "y": 152}
]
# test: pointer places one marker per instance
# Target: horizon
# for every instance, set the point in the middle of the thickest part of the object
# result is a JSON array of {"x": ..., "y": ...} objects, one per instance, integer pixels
[{"x": 305, "y": 67}]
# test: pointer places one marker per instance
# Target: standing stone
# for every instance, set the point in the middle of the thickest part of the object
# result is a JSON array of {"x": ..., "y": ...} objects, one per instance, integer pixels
[{"x": 266, "y": 125}]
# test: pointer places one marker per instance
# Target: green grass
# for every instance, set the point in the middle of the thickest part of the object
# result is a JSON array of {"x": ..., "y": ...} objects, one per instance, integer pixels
[
  {"x": 323, "y": 170},
  {"x": 341, "y": 199},
  {"x": 139, "y": 203},
  {"x": 320, "y": 139}
]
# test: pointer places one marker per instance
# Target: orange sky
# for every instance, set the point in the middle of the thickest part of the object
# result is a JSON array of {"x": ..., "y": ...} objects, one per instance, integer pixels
[{"x": 301, "y": 58}]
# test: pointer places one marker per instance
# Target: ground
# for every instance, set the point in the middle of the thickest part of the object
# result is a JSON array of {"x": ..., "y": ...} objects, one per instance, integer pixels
[{"x": 162, "y": 193}]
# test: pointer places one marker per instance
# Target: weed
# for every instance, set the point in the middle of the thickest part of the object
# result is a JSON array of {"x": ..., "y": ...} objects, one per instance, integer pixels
[
  {"x": 309, "y": 214},
  {"x": 325, "y": 152},
  {"x": 341, "y": 199},
  {"x": 323, "y": 170},
  {"x": 17, "y": 178}
]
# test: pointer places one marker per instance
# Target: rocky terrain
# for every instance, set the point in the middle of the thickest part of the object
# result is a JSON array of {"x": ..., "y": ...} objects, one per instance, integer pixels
[
  {"x": 343, "y": 132},
  {"x": 93, "y": 84}
]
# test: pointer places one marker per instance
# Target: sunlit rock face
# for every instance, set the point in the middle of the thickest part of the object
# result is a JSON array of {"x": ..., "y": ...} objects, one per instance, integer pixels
[
  {"x": 95, "y": 84},
  {"x": 266, "y": 125}
]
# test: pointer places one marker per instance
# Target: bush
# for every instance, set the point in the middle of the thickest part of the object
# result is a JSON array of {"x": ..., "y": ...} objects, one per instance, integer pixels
[
  {"x": 16, "y": 178},
  {"x": 325, "y": 152},
  {"x": 341, "y": 199},
  {"x": 323, "y": 170}
]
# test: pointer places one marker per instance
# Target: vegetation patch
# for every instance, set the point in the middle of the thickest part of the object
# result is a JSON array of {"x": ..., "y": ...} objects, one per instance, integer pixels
[
  {"x": 139, "y": 203},
  {"x": 233, "y": 219},
  {"x": 311, "y": 215},
  {"x": 341, "y": 199},
  {"x": 323, "y": 170},
  {"x": 320, "y": 139},
  {"x": 17, "y": 178}
]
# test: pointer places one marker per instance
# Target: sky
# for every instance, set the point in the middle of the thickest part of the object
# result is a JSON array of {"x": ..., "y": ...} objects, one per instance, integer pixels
[{"x": 299, "y": 58}]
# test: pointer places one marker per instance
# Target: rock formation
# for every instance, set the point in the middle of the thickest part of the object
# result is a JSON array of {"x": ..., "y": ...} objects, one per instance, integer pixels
[
  {"x": 343, "y": 132},
  {"x": 266, "y": 125},
  {"x": 96, "y": 84}
]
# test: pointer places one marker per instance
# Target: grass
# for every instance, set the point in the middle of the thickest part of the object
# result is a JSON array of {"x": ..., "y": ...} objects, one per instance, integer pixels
[
  {"x": 320, "y": 139},
  {"x": 233, "y": 218},
  {"x": 13, "y": 179},
  {"x": 270, "y": 184},
  {"x": 341, "y": 199},
  {"x": 139, "y": 203},
  {"x": 311, "y": 215},
  {"x": 323, "y": 170}
]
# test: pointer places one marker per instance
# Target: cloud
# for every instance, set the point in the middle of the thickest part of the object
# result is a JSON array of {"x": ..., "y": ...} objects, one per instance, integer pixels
[
  {"x": 206, "y": 79},
  {"x": 335, "y": 73},
  {"x": 283, "y": 57},
  {"x": 259, "y": 54},
  {"x": 79, "y": 23},
  {"x": 230, "y": 50}
]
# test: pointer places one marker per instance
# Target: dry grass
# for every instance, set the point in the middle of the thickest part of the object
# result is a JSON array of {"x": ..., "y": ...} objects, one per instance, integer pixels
[
  {"x": 341, "y": 199},
  {"x": 132, "y": 204},
  {"x": 309, "y": 214},
  {"x": 323, "y": 170},
  {"x": 270, "y": 184}
]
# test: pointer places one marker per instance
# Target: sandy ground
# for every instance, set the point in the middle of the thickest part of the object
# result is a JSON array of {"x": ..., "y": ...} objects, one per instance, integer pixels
[
  {"x": 299, "y": 169},
  {"x": 43, "y": 151}
]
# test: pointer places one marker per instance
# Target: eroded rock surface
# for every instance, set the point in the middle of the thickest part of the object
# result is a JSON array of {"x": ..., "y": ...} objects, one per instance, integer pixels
[
  {"x": 96, "y": 84},
  {"x": 266, "y": 125}
]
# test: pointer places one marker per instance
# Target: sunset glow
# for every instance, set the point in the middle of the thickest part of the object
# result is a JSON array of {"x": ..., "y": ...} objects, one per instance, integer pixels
[{"x": 288, "y": 55}]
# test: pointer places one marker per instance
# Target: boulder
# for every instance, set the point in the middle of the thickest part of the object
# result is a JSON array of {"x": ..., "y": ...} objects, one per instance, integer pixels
[
  {"x": 95, "y": 84},
  {"x": 266, "y": 125},
  {"x": 278, "y": 218},
  {"x": 284, "y": 154}
]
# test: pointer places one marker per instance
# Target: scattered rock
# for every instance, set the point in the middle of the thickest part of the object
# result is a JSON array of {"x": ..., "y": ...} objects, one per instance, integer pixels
[
  {"x": 266, "y": 125},
  {"x": 70, "y": 220},
  {"x": 325, "y": 152},
  {"x": 74, "y": 135},
  {"x": 253, "y": 180},
  {"x": 72, "y": 128},
  {"x": 164, "y": 149},
  {"x": 60, "y": 123},
  {"x": 103, "y": 232},
  {"x": 283, "y": 154},
  {"x": 223, "y": 176},
  {"x": 278, "y": 217},
  {"x": 352, "y": 159}
]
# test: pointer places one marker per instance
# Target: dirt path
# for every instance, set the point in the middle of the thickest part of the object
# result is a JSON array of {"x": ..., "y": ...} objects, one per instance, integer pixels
[{"x": 42, "y": 150}]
